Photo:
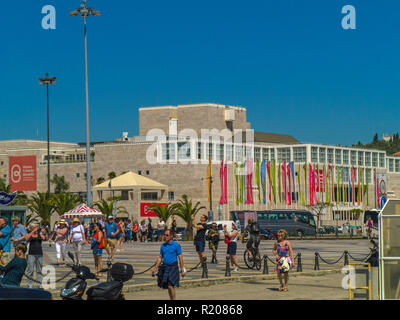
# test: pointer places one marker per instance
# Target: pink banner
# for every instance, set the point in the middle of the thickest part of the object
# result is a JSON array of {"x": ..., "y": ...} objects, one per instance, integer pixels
[
  {"x": 249, "y": 197},
  {"x": 284, "y": 180},
  {"x": 269, "y": 179},
  {"x": 225, "y": 183},
  {"x": 221, "y": 176},
  {"x": 311, "y": 182},
  {"x": 289, "y": 196}
]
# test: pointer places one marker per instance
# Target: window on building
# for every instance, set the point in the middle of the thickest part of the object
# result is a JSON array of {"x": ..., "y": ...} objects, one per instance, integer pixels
[
  {"x": 300, "y": 154},
  {"x": 239, "y": 153},
  {"x": 283, "y": 154},
  {"x": 78, "y": 175},
  {"x": 338, "y": 156},
  {"x": 368, "y": 175},
  {"x": 168, "y": 151},
  {"x": 220, "y": 152},
  {"x": 353, "y": 157},
  {"x": 229, "y": 152},
  {"x": 345, "y": 156},
  {"x": 330, "y": 156},
  {"x": 184, "y": 151},
  {"x": 125, "y": 195},
  {"x": 375, "y": 159},
  {"x": 272, "y": 154},
  {"x": 360, "y": 158},
  {"x": 345, "y": 175},
  {"x": 381, "y": 160},
  {"x": 391, "y": 165},
  {"x": 265, "y": 154},
  {"x": 171, "y": 196},
  {"x": 209, "y": 151},
  {"x": 367, "y": 159},
  {"x": 257, "y": 154},
  {"x": 397, "y": 165},
  {"x": 322, "y": 155},
  {"x": 2, "y": 162},
  {"x": 249, "y": 152},
  {"x": 147, "y": 172},
  {"x": 200, "y": 152},
  {"x": 139, "y": 172},
  {"x": 314, "y": 154},
  {"x": 149, "y": 196}
]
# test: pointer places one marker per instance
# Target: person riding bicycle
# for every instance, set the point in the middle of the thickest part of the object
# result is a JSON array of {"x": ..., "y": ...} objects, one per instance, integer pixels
[{"x": 253, "y": 231}]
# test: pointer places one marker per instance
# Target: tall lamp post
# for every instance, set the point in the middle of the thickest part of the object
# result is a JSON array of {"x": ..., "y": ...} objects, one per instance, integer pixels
[
  {"x": 48, "y": 81},
  {"x": 85, "y": 12}
]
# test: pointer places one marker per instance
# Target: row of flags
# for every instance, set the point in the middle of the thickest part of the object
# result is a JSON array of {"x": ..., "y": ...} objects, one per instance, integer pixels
[{"x": 281, "y": 183}]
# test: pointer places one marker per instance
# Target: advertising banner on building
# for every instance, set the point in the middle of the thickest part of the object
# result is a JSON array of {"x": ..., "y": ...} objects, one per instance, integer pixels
[
  {"x": 145, "y": 210},
  {"x": 22, "y": 173},
  {"x": 381, "y": 181}
]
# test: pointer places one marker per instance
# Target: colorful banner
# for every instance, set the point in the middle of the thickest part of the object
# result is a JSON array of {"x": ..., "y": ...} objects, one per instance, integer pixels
[
  {"x": 279, "y": 183},
  {"x": 22, "y": 173},
  {"x": 263, "y": 181},
  {"x": 237, "y": 183},
  {"x": 284, "y": 180},
  {"x": 273, "y": 180},
  {"x": 353, "y": 178},
  {"x": 289, "y": 195},
  {"x": 258, "y": 180},
  {"x": 209, "y": 179},
  {"x": 226, "y": 183},
  {"x": 221, "y": 176},
  {"x": 311, "y": 182},
  {"x": 269, "y": 180}
]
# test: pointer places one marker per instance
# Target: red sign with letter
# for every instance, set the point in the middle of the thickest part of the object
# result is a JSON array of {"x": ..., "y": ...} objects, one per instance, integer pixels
[
  {"x": 22, "y": 173},
  {"x": 145, "y": 210}
]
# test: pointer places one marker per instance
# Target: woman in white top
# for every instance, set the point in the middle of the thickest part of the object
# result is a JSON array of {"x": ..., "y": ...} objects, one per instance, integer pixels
[
  {"x": 231, "y": 239},
  {"x": 77, "y": 238}
]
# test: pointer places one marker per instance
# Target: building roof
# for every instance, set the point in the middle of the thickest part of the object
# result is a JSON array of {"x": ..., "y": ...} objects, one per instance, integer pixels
[
  {"x": 129, "y": 180},
  {"x": 265, "y": 137}
]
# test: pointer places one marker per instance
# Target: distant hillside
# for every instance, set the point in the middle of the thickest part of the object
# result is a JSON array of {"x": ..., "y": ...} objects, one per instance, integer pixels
[{"x": 390, "y": 147}]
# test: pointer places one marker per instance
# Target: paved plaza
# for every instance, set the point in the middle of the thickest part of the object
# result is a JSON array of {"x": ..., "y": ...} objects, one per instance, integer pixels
[{"x": 143, "y": 255}]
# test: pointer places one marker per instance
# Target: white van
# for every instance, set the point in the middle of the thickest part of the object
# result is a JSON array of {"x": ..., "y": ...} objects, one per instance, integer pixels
[{"x": 220, "y": 227}]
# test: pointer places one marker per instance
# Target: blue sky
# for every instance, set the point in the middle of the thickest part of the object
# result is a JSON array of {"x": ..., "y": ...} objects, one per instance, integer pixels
[{"x": 289, "y": 63}]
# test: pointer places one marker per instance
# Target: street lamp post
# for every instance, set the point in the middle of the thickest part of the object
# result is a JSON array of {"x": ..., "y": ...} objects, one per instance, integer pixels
[
  {"x": 48, "y": 81},
  {"x": 85, "y": 12}
]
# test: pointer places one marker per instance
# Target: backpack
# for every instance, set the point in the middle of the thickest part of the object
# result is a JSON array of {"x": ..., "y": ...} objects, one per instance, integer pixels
[{"x": 255, "y": 228}]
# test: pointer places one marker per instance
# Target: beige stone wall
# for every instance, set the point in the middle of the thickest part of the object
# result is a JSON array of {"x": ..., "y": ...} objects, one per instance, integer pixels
[{"x": 195, "y": 117}]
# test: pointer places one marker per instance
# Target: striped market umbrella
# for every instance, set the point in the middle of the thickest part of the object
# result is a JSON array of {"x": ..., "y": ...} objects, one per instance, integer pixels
[{"x": 82, "y": 211}]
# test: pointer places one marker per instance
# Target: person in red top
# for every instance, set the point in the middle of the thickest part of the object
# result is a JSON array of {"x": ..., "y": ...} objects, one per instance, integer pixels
[
  {"x": 135, "y": 230},
  {"x": 97, "y": 247}
]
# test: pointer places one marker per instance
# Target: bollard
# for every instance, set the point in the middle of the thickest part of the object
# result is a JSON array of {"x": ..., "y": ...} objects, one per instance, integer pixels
[
  {"x": 265, "y": 270},
  {"x": 316, "y": 265},
  {"x": 205, "y": 270},
  {"x": 227, "y": 268},
  {"x": 299, "y": 265},
  {"x": 346, "y": 258}
]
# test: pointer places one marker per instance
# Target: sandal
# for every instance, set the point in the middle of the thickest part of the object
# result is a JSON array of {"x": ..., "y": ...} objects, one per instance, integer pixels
[
  {"x": 280, "y": 288},
  {"x": 285, "y": 289}
]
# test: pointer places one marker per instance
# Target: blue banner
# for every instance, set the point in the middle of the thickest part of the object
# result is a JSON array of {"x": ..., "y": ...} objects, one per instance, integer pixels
[{"x": 6, "y": 198}]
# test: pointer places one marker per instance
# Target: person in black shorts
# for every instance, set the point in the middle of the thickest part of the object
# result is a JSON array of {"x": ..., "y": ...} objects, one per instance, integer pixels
[
  {"x": 200, "y": 239},
  {"x": 253, "y": 230},
  {"x": 213, "y": 239}
]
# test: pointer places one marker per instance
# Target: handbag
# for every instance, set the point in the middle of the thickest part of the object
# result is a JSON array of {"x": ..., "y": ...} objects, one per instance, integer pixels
[{"x": 227, "y": 240}]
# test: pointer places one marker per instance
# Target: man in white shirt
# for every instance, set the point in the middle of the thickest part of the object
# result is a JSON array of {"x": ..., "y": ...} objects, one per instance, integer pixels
[{"x": 160, "y": 229}]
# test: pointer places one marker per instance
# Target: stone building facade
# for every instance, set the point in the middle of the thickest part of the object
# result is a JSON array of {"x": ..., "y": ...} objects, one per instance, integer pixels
[{"x": 180, "y": 161}]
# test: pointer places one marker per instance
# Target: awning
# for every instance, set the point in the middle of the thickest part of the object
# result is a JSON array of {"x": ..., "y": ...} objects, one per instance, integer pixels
[
  {"x": 129, "y": 181},
  {"x": 82, "y": 211}
]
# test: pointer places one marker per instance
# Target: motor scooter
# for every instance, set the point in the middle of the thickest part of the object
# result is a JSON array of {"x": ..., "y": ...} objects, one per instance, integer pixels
[{"x": 75, "y": 287}]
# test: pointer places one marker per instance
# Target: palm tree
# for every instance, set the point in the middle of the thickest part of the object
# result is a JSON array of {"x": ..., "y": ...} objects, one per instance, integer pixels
[
  {"x": 107, "y": 207},
  {"x": 42, "y": 205},
  {"x": 185, "y": 210},
  {"x": 164, "y": 212},
  {"x": 64, "y": 202}
]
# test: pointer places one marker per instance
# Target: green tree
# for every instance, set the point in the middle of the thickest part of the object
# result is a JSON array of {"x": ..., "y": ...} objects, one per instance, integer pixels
[
  {"x": 111, "y": 175},
  {"x": 64, "y": 202},
  {"x": 61, "y": 185},
  {"x": 4, "y": 187},
  {"x": 184, "y": 210},
  {"x": 164, "y": 212},
  {"x": 41, "y": 204},
  {"x": 107, "y": 207},
  {"x": 100, "y": 180}
]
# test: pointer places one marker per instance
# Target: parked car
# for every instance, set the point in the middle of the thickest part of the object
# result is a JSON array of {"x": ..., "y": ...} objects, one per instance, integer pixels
[{"x": 180, "y": 233}]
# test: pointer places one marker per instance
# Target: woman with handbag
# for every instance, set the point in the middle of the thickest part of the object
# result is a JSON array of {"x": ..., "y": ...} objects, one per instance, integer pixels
[
  {"x": 283, "y": 252},
  {"x": 231, "y": 240},
  {"x": 97, "y": 248}
]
